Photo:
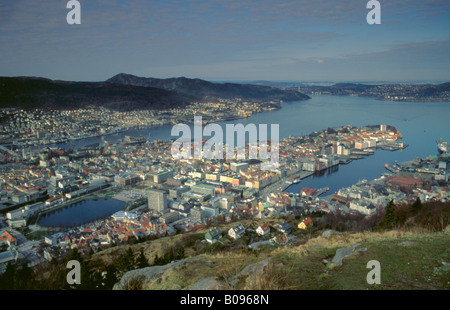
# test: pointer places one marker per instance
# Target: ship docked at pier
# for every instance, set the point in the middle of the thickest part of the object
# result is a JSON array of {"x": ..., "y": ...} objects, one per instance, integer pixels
[{"x": 442, "y": 146}]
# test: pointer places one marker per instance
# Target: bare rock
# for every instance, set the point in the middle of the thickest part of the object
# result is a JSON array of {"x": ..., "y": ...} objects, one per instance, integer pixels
[
  {"x": 343, "y": 253},
  {"x": 207, "y": 284},
  {"x": 329, "y": 232},
  {"x": 256, "y": 268}
]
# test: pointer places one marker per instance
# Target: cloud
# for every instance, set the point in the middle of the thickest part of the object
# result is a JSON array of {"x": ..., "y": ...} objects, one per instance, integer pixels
[{"x": 207, "y": 38}]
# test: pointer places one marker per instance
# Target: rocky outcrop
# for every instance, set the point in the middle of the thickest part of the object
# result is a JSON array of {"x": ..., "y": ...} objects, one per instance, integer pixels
[
  {"x": 328, "y": 233},
  {"x": 208, "y": 284},
  {"x": 256, "y": 268},
  {"x": 345, "y": 252},
  {"x": 131, "y": 279}
]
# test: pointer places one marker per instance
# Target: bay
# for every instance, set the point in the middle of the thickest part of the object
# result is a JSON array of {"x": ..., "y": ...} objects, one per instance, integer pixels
[{"x": 421, "y": 123}]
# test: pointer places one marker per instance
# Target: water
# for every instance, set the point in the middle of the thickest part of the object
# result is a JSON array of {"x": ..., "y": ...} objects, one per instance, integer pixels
[
  {"x": 420, "y": 123},
  {"x": 81, "y": 212}
]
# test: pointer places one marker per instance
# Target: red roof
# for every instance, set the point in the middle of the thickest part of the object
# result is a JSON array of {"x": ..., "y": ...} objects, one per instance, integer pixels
[
  {"x": 7, "y": 236},
  {"x": 307, "y": 221}
]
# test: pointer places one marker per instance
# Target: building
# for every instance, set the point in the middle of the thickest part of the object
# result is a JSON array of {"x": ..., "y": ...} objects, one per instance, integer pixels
[
  {"x": 404, "y": 183},
  {"x": 17, "y": 223},
  {"x": 160, "y": 176},
  {"x": 7, "y": 238},
  {"x": 263, "y": 230},
  {"x": 239, "y": 167},
  {"x": 17, "y": 214},
  {"x": 178, "y": 191},
  {"x": 363, "y": 208},
  {"x": 237, "y": 231},
  {"x": 204, "y": 189},
  {"x": 126, "y": 179},
  {"x": 170, "y": 217},
  {"x": 309, "y": 166},
  {"x": 210, "y": 210},
  {"x": 305, "y": 223},
  {"x": 197, "y": 214},
  {"x": 283, "y": 227},
  {"x": 213, "y": 235},
  {"x": 157, "y": 200},
  {"x": 220, "y": 202}
]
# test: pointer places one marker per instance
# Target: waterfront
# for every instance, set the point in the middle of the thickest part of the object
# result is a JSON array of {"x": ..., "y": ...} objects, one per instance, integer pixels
[
  {"x": 81, "y": 212},
  {"x": 420, "y": 123}
]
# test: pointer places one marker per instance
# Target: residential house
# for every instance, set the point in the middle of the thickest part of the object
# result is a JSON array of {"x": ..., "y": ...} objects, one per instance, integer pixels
[
  {"x": 213, "y": 235},
  {"x": 237, "y": 231},
  {"x": 283, "y": 227},
  {"x": 7, "y": 238},
  {"x": 305, "y": 223},
  {"x": 263, "y": 230}
]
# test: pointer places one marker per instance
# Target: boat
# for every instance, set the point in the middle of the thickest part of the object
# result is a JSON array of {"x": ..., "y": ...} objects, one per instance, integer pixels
[
  {"x": 296, "y": 181},
  {"x": 442, "y": 146}
]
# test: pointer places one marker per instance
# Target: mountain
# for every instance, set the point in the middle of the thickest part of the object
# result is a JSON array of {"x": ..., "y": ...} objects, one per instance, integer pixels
[
  {"x": 406, "y": 92},
  {"x": 32, "y": 92},
  {"x": 204, "y": 89}
]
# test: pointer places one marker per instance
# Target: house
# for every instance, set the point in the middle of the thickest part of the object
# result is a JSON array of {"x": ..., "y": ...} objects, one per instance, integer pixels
[
  {"x": 305, "y": 223},
  {"x": 283, "y": 227},
  {"x": 213, "y": 235},
  {"x": 263, "y": 230},
  {"x": 7, "y": 238},
  {"x": 237, "y": 231}
]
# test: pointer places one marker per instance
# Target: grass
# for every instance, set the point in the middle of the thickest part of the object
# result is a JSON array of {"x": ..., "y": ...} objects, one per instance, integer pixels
[
  {"x": 302, "y": 266},
  {"x": 402, "y": 267}
]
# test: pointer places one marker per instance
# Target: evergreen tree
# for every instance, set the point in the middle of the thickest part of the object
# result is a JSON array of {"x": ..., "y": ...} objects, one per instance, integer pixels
[
  {"x": 110, "y": 277},
  {"x": 180, "y": 253},
  {"x": 23, "y": 277},
  {"x": 7, "y": 278},
  {"x": 389, "y": 219},
  {"x": 125, "y": 261},
  {"x": 171, "y": 256},
  {"x": 141, "y": 261},
  {"x": 157, "y": 260},
  {"x": 417, "y": 205}
]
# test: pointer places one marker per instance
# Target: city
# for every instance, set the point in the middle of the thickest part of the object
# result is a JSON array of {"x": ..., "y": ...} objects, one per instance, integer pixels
[
  {"x": 164, "y": 196},
  {"x": 224, "y": 146}
]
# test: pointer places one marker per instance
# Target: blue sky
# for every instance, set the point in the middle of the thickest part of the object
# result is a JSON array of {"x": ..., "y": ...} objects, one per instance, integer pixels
[{"x": 313, "y": 40}]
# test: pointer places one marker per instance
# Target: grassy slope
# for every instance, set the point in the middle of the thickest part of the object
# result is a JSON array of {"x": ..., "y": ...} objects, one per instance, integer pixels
[
  {"x": 301, "y": 267},
  {"x": 402, "y": 266}
]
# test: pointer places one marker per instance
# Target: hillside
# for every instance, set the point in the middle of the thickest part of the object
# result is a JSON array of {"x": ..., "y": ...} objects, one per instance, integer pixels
[
  {"x": 205, "y": 89},
  {"x": 30, "y": 93},
  {"x": 408, "y": 261},
  {"x": 411, "y": 243},
  {"x": 407, "y": 92}
]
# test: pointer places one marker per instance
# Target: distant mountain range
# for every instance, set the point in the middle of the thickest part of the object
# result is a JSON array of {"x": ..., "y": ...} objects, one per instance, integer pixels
[
  {"x": 28, "y": 93},
  {"x": 126, "y": 92},
  {"x": 205, "y": 90},
  {"x": 407, "y": 92}
]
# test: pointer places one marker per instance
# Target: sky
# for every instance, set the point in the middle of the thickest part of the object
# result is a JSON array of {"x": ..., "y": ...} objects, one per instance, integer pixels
[{"x": 218, "y": 40}]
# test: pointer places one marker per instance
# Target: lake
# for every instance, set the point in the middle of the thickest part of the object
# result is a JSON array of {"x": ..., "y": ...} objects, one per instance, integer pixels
[{"x": 81, "y": 212}]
